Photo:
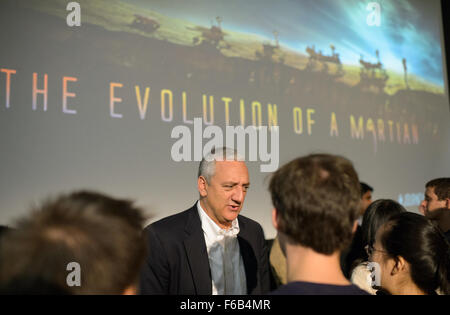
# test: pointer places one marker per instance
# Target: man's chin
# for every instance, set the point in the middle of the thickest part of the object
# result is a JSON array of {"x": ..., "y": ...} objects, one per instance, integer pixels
[
  {"x": 232, "y": 215},
  {"x": 434, "y": 214}
]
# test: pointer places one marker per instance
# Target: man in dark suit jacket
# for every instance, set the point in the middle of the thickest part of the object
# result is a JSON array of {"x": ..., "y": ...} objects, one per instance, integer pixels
[{"x": 209, "y": 248}]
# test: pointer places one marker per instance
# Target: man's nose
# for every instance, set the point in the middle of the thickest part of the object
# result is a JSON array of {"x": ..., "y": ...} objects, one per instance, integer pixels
[{"x": 238, "y": 195}]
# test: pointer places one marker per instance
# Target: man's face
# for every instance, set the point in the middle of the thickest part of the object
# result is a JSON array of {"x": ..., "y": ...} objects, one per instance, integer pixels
[
  {"x": 224, "y": 195},
  {"x": 366, "y": 200},
  {"x": 431, "y": 202}
]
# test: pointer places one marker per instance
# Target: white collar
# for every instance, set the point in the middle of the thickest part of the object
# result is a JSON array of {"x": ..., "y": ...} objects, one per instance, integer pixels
[
  {"x": 360, "y": 220},
  {"x": 211, "y": 228}
]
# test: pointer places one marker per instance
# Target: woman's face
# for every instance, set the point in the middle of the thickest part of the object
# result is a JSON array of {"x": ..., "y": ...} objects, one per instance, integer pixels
[{"x": 385, "y": 264}]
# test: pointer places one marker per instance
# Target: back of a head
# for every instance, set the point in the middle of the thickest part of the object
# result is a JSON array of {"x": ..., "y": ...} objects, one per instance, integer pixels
[
  {"x": 4, "y": 230},
  {"x": 423, "y": 246},
  {"x": 378, "y": 213},
  {"x": 101, "y": 234},
  {"x": 317, "y": 199}
]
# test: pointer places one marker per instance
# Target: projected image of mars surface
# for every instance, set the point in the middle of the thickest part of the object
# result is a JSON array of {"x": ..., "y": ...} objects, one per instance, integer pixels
[{"x": 325, "y": 53}]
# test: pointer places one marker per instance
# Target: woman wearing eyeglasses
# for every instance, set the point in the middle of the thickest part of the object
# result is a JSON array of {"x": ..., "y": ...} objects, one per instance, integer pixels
[
  {"x": 378, "y": 213},
  {"x": 412, "y": 255}
]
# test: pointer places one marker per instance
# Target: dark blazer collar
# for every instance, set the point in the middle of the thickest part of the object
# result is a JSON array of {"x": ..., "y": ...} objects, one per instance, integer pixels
[
  {"x": 197, "y": 254},
  {"x": 248, "y": 256}
]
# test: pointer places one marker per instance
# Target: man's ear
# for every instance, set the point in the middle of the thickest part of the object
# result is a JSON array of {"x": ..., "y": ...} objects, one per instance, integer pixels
[
  {"x": 400, "y": 265},
  {"x": 275, "y": 218},
  {"x": 202, "y": 186},
  {"x": 447, "y": 203}
]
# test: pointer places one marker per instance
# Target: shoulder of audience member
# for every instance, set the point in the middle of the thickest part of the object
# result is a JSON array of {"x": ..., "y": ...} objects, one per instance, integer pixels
[
  {"x": 359, "y": 274},
  {"x": 245, "y": 222},
  {"x": 170, "y": 224}
]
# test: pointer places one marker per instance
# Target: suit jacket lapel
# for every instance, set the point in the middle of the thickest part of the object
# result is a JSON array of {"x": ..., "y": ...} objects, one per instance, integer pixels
[
  {"x": 197, "y": 255},
  {"x": 248, "y": 257}
]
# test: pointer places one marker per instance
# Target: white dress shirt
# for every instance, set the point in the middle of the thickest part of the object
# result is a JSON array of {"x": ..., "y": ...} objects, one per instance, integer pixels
[
  {"x": 225, "y": 260},
  {"x": 360, "y": 220}
]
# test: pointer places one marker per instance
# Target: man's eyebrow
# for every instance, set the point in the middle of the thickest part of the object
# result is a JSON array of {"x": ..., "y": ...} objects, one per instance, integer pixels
[{"x": 235, "y": 183}]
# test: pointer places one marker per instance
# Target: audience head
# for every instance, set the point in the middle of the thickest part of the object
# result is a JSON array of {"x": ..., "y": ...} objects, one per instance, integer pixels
[
  {"x": 413, "y": 256},
  {"x": 223, "y": 182},
  {"x": 101, "y": 234},
  {"x": 437, "y": 196},
  {"x": 366, "y": 197},
  {"x": 4, "y": 229},
  {"x": 378, "y": 213},
  {"x": 316, "y": 200}
]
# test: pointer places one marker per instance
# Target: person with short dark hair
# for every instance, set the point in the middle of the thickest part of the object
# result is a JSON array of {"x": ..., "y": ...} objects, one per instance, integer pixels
[
  {"x": 366, "y": 198},
  {"x": 413, "y": 256},
  {"x": 436, "y": 204},
  {"x": 101, "y": 234},
  {"x": 350, "y": 254},
  {"x": 209, "y": 249},
  {"x": 316, "y": 202},
  {"x": 378, "y": 213}
]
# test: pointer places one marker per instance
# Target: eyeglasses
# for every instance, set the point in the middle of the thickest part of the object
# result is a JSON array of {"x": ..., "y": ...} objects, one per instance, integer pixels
[{"x": 370, "y": 250}]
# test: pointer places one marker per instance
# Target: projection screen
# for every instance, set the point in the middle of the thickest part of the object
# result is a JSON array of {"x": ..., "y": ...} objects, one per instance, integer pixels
[{"x": 104, "y": 95}]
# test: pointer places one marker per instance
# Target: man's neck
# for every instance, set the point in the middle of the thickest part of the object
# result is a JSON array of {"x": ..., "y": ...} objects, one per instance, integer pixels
[{"x": 304, "y": 264}]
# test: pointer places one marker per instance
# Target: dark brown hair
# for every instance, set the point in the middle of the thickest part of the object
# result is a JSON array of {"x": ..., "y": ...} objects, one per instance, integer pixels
[
  {"x": 378, "y": 213},
  {"x": 441, "y": 187},
  {"x": 102, "y": 234},
  {"x": 423, "y": 246},
  {"x": 317, "y": 199}
]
